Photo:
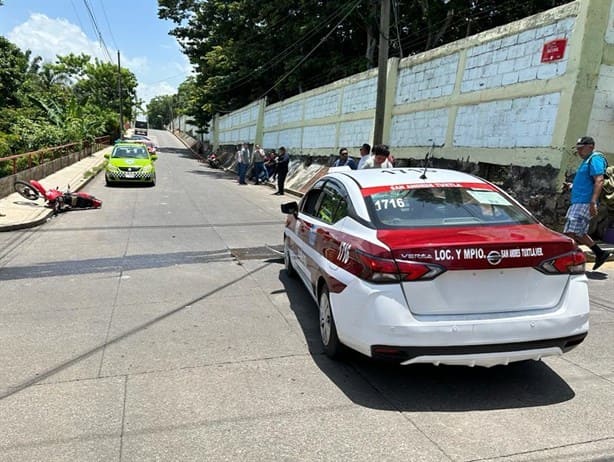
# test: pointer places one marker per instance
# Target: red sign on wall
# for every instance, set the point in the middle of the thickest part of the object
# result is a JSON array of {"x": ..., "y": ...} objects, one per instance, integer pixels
[{"x": 553, "y": 50}]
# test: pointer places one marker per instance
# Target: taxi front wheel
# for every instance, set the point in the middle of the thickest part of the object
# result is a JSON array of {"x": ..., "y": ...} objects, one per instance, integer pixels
[{"x": 328, "y": 331}]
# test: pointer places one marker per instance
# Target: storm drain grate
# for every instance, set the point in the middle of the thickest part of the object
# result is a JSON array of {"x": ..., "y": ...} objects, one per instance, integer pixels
[{"x": 258, "y": 253}]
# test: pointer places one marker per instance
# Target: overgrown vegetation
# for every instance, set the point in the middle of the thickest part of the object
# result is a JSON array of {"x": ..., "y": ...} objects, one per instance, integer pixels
[{"x": 73, "y": 99}]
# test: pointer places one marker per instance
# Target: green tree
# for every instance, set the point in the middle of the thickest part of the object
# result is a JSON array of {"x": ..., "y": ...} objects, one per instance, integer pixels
[
  {"x": 242, "y": 50},
  {"x": 99, "y": 87},
  {"x": 160, "y": 111},
  {"x": 69, "y": 100},
  {"x": 13, "y": 72}
]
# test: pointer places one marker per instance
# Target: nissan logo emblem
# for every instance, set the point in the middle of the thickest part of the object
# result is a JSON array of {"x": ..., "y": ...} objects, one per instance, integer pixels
[{"x": 494, "y": 257}]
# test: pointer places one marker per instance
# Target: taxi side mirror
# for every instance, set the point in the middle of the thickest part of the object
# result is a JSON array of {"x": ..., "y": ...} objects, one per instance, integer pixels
[
  {"x": 107, "y": 155},
  {"x": 290, "y": 208},
  {"x": 154, "y": 157}
]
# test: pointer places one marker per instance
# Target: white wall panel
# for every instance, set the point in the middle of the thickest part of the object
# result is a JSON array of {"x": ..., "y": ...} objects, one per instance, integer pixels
[
  {"x": 521, "y": 122},
  {"x": 419, "y": 128},
  {"x": 427, "y": 80},
  {"x": 601, "y": 121},
  {"x": 290, "y": 138},
  {"x": 355, "y": 133},
  {"x": 515, "y": 59},
  {"x": 359, "y": 96},
  {"x": 271, "y": 117},
  {"x": 609, "y": 36},
  {"x": 292, "y": 112},
  {"x": 323, "y": 105},
  {"x": 319, "y": 136}
]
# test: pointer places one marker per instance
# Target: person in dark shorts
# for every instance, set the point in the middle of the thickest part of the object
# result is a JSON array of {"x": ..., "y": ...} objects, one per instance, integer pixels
[{"x": 585, "y": 191}]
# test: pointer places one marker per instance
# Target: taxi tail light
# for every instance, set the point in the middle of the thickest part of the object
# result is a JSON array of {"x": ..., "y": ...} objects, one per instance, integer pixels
[
  {"x": 384, "y": 270},
  {"x": 569, "y": 263}
]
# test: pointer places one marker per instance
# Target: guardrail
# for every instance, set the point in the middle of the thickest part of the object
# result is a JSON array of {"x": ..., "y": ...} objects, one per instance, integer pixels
[
  {"x": 16, "y": 163},
  {"x": 39, "y": 164}
]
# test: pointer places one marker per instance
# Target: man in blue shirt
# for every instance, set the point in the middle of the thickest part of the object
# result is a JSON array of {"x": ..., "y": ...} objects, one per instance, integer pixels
[
  {"x": 344, "y": 159},
  {"x": 585, "y": 190}
]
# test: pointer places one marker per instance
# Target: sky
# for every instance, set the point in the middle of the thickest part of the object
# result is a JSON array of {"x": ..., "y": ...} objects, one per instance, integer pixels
[{"x": 52, "y": 27}]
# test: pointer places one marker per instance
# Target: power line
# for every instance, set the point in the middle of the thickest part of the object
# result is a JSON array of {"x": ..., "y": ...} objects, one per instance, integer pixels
[
  {"x": 395, "y": 7},
  {"x": 77, "y": 15},
  {"x": 97, "y": 29},
  {"x": 104, "y": 12},
  {"x": 503, "y": 7},
  {"x": 239, "y": 82},
  {"x": 287, "y": 74}
]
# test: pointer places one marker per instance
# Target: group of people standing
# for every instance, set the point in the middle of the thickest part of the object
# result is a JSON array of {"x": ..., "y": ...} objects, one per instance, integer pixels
[
  {"x": 266, "y": 166},
  {"x": 378, "y": 157},
  {"x": 274, "y": 165},
  {"x": 585, "y": 189}
]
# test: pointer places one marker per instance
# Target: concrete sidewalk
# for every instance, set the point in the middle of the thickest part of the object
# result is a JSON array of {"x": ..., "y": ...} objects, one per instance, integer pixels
[{"x": 16, "y": 212}]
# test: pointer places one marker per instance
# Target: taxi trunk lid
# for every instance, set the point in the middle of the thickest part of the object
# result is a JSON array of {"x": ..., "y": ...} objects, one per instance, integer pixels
[{"x": 488, "y": 269}]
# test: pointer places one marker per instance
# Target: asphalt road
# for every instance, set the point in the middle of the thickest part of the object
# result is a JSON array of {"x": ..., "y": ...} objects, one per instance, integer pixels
[{"x": 163, "y": 327}]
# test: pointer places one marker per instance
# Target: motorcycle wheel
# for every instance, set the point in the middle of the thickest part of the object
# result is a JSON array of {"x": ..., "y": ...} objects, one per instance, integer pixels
[
  {"x": 58, "y": 205},
  {"x": 26, "y": 190}
]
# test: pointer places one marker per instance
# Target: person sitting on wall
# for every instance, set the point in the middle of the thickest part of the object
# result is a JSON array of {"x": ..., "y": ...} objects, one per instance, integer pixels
[
  {"x": 380, "y": 158},
  {"x": 344, "y": 160}
]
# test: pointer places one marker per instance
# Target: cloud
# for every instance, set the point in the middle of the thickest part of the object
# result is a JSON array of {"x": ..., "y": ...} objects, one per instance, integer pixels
[
  {"x": 48, "y": 37},
  {"x": 148, "y": 91}
]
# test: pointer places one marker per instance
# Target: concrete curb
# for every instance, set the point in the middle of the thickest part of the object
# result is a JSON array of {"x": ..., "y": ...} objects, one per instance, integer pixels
[{"x": 73, "y": 174}]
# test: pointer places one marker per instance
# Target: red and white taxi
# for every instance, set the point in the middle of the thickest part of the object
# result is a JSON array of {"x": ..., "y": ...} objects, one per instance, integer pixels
[{"x": 434, "y": 266}]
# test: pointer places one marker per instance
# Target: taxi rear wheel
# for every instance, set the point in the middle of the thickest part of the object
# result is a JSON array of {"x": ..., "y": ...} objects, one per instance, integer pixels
[
  {"x": 290, "y": 271},
  {"x": 328, "y": 330}
]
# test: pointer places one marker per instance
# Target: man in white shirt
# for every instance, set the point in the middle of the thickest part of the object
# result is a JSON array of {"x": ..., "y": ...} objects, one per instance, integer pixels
[
  {"x": 244, "y": 161},
  {"x": 259, "y": 171},
  {"x": 365, "y": 153},
  {"x": 380, "y": 158}
]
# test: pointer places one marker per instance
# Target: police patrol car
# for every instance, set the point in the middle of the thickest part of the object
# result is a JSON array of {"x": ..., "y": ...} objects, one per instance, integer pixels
[{"x": 434, "y": 266}]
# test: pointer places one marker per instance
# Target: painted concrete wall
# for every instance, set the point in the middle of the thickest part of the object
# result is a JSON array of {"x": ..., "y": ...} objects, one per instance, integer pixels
[
  {"x": 182, "y": 123},
  {"x": 485, "y": 99},
  {"x": 601, "y": 122}
]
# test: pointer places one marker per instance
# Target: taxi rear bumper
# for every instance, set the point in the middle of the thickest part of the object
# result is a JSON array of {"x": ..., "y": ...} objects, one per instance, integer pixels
[
  {"x": 379, "y": 323},
  {"x": 477, "y": 355}
]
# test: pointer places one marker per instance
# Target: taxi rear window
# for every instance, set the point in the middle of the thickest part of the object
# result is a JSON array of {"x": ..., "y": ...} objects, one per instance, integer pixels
[{"x": 444, "y": 206}]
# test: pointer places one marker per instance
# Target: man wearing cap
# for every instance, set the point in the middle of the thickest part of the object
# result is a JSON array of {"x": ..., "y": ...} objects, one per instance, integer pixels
[{"x": 585, "y": 191}]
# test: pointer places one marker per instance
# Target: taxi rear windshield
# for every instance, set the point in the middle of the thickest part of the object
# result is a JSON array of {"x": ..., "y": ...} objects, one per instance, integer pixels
[{"x": 437, "y": 207}]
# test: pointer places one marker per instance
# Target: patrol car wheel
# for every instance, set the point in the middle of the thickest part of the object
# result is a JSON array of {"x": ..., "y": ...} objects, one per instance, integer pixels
[
  {"x": 328, "y": 330},
  {"x": 290, "y": 271}
]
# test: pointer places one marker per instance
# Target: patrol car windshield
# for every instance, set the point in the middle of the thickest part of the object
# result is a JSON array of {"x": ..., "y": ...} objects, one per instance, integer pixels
[
  {"x": 437, "y": 207},
  {"x": 132, "y": 152}
]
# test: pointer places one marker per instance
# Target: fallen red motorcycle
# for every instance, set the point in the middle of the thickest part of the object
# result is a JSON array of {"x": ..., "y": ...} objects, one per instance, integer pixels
[{"x": 59, "y": 201}]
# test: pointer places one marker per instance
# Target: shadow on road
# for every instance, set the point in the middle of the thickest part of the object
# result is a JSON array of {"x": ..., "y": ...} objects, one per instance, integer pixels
[
  {"x": 183, "y": 152},
  {"x": 425, "y": 387}
]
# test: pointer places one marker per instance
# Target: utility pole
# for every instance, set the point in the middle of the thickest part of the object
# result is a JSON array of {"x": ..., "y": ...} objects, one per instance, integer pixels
[
  {"x": 121, "y": 102},
  {"x": 382, "y": 72}
]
